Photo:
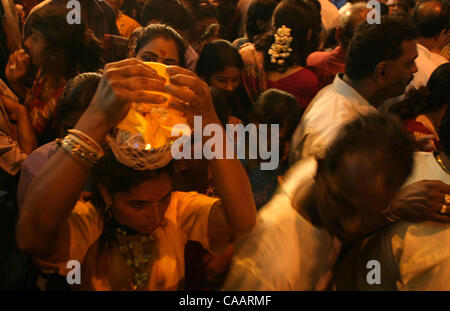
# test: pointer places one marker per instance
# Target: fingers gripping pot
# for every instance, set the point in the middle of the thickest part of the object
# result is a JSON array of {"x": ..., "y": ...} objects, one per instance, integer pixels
[{"x": 143, "y": 140}]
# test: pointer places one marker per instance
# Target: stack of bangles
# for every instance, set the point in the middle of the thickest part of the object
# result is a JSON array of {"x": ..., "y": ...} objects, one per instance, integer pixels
[{"x": 82, "y": 148}]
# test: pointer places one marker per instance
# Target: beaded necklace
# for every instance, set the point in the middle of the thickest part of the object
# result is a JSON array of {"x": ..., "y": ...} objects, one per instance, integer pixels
[{"x": 137, "y": 255}]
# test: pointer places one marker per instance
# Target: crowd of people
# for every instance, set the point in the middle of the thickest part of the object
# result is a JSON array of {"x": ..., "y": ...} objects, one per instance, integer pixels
[{"x": 362, "y": 137}]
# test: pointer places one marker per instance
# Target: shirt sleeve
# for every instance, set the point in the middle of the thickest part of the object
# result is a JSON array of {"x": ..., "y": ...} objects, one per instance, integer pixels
[
  {"x": 247, "y": 270},
  {"x": 85, "y": 226},
  {"x": 193, "y": 216},
  {"x": 422, "y": 251}
]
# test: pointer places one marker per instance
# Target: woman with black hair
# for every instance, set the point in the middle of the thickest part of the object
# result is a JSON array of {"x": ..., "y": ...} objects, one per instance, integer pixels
[
  {"x": 220, "y": 65},
  {"x": 278, "y": 59},
  {"x": 257, "y": 21},
  {"x": 60, "y": 51},
  {"x": 158, "y": 43},
  {"x": 133, "y": 236},
  {"x": 424, "y": 109}
]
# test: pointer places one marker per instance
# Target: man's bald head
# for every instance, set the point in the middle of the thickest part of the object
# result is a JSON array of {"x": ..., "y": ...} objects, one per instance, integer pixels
[
  {"x": 431, "y": 18},
  {"x": 348, "y": 21}
]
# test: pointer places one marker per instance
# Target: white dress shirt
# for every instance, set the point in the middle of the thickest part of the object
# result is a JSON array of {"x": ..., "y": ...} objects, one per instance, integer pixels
[
  {"x": 332, "y": 108},
  {"x": 284, "y": 251},
  {"x": 412, "y": 256},
  {"x": 426, "y": 63}
]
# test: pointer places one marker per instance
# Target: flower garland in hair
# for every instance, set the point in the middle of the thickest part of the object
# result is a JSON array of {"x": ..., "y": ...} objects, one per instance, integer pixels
[{"x": 280, "y": 49}]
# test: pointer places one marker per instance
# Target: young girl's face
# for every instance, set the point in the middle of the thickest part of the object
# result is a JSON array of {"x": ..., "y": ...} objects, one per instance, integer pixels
[
  {"x": 226, "y": 80},
  {"x": 160, "y": 50},
  {"x": 144, "y": 206}
]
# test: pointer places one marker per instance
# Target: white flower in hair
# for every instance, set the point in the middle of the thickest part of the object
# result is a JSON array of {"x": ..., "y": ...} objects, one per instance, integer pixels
[{"x": 281, "y": 47}]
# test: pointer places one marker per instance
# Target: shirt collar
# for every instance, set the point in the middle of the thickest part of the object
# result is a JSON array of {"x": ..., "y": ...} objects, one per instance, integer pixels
[
  {"x": 346, "y": 90},
  {"x": 424, "y": 50}
]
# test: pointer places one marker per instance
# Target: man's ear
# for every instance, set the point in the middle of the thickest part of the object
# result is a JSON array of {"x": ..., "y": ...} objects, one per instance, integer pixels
[
  {"x": 379, "y": 74},
  {"x": 105, "y": 194}
]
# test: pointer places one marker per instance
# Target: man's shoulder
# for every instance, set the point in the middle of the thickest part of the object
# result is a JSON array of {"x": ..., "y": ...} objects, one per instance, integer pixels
[{"x": 328, "y": 103}]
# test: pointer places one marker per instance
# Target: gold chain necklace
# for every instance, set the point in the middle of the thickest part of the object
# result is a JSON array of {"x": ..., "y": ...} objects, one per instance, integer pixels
[{"x": 439, "y": 160}]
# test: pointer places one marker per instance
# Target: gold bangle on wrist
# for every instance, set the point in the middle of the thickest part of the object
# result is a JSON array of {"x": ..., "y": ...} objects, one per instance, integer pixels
[
  {"x": 79, "y": 151},
  {"x": 89, "y": 141}
]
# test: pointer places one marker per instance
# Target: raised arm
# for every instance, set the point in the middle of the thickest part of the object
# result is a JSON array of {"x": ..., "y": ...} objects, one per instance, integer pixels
[
  {"x": 53, "y": 193},
  {"x": 237, "y": 212}
]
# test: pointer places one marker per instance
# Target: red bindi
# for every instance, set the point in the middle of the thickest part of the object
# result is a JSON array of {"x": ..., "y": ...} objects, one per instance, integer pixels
[{"x": 162, "y": 52}]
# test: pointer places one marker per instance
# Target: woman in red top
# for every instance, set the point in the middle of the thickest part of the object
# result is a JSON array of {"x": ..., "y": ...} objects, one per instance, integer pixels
[
  {"x": 278, "y": 59},
  {"x": 60, "y": 51}
]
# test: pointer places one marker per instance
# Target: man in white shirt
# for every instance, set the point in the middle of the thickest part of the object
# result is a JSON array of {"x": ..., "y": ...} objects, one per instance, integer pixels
[
  {"x": 379, "y": 65},
  {"x": 412, "y": 255},
  {"x": 294, "y": 244},
  {"x": 432, "y": 20}
]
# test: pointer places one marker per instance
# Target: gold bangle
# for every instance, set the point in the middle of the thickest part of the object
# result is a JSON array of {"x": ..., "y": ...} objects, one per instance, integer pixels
[
  {"x": 77, "y": 150},
  {"x": 76, "y": 158},
  {"x": 87, "y": 139}
]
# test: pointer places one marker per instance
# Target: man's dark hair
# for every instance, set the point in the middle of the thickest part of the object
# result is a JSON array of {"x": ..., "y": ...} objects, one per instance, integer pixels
[
  {"x": 377, "y": 137},
  {"x": 374, "y": 43},
  {"x": 429, "y": 20}
]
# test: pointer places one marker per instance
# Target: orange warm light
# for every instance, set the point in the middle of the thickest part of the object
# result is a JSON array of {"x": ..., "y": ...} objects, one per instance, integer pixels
[{"x": 154, "y": 122}]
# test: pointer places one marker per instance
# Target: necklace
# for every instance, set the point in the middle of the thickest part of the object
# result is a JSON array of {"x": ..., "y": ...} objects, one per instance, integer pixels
[
  {"x": 439, "y": 160},
  {"x": 136, "y": 255}
]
